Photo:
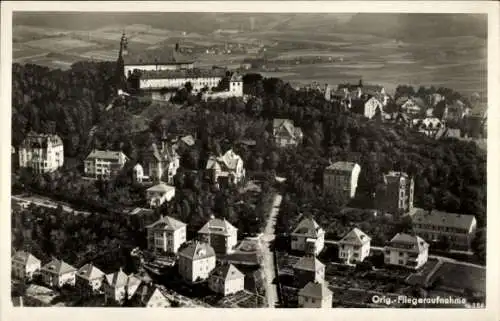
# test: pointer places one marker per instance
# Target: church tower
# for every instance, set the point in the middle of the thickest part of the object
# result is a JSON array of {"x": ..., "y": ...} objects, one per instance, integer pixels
[{"x": 120, "y": 79}]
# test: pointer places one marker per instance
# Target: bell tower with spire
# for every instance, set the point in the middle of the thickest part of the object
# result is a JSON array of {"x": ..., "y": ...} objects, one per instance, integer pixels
[{"x": 120, "y": 78}]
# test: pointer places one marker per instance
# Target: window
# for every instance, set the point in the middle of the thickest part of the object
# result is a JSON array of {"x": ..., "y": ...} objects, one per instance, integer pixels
[
  {"x": 401, "y": 253},
  {"x": 401, "y": 262}
]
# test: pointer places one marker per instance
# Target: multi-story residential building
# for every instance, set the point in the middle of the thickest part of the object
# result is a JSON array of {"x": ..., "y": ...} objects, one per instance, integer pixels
[
  {"x": 117, "y": 285},
  {"x": 226, "y": 279},
  {"x": 166, "y": 235},
  {"x": 286, "y": 134},
  {"x": 104, "y": 164},
  {"x": 89, "y": 279},
  {"x": 196, "y": 262},
  {"x": 159, "y": 194},
  {"x": 57, "y": 273},
  {"x": 315, "y": 295},
  {"x": 42, "y": 153},
  {"x": 406, "y": 250},
  {"x": 412, "y": 105},
  {"x": 308, "y": 269},
  {"x": 220, "y": 234},
  {"x": 308, "y": 237},
  {"x": 228, "y": 167},
  {"x": 158, "y": 164},
  {"x": 368, "y": 107},
  {"x": 396, "y": 196},
  {"x": 341, "y": 179},
  {"x": 458, "y": 229},
  {"x": 24, "y": 265},
  {"x": 354, "y": 247}
]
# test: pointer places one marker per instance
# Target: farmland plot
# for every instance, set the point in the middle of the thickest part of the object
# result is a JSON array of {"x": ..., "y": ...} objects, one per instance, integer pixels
[{"x": 59, "y": 44}]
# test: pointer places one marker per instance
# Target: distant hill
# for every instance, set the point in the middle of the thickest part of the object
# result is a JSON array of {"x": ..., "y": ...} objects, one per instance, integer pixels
[{"x": 414, "y": 26}]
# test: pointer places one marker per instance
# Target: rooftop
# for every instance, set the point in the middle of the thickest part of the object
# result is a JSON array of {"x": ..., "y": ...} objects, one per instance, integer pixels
[
  {"x": 308, "y": 227},
  {"x": 183, "y": 73},
  {"x": 227, "y": 272},
  {"x": 218, "y": 226},
  {"x": 161, "y": 188},
  {"x": 197, "y": 250},
  {"x": 410, "y": 242},
  {"x": 106, "y": 154},
  {"x": 165, "y": 56},
  {"x": 90, "y": 272},
  {"x": 167, "y": 223},
  {"x": 58, "y": 267},
  {"x": 342, "y": 166},
  {"x": 228, "y": 161},
  {"x": 315, "y": 290},
  {"x": 25, "y": 258},
  {"x": 36, "y": 140},
  {"x": 443, "y": 219},
  {"x": 355, "y": 236},
  {"x": 308, "y": 263}
]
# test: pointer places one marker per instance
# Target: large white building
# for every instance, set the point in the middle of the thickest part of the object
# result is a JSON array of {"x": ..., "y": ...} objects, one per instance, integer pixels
[
  {"x": 104, "y": 163},
  {"x": 176, "y": 79},
  {"x": 166, "y": 235},
  {"x": 196, "y": 262},
  {"x": 341, "y": 179},
  {"x": 406, "y": 250},
  {"x": 354, "y": 247},
  {"x": 42, "y": 153},
  {"x": 308, "y": 237}
]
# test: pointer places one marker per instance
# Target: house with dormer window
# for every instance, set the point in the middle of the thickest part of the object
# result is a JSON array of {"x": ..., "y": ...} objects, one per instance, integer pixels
[
  {"x": 57, "y": 273},
  {"x": 286, "y": 134},
  {"x": 406, "y": 250},
  {"x": 308, "y": 237},
  {"x": 228, "y": 167},
  {"x": 220, "y": 234},
  {"x": 196, "y": 262}
]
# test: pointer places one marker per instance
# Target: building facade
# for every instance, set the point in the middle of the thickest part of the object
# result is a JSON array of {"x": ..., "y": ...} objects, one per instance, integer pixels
[
  {"x": 286, "y": 134},
  {"x": 315, "y": 295},
  {"x": 118, "y": 285},
  {"x": 220, "y": 234},
  {"x": 196, "y": 262},
  {"x": 89, "y": 279},
  {"x": 159, "y": 194},
  {"x": 42, "y": 153},
  {"x": 226, "y": 279},
  {"x": 354, "y": 247},
  {"x": 198, "y": 78},
  {"x": 308, "y": 269},
  {"x": 458, "y": 229},
  {"x": 104, "y": 164},
  {"x": 24, "y": 265},
  {"x": 308, "y": 237},
  {"x": 58, "y": 273},
  {"x": 396, "y": 196},
  {"x": 341, "y": 179},
  {"x": 228, "y": 167},
  {"x": 158, "y": 163},
  {"x": 236, "y": 85},
  {"x": 166, "y": 235},
  {"x": 406, "y": 250}
]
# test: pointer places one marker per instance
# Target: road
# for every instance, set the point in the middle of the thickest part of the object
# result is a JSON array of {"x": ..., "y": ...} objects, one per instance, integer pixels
[
  {"x": 46, "y": 202},
  {"x": 268, "y": 257},
  {"x": 439, "y": 257}
]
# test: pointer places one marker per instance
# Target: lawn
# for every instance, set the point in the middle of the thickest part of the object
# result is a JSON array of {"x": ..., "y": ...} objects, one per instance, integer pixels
[{"x": 459, "y": 277}]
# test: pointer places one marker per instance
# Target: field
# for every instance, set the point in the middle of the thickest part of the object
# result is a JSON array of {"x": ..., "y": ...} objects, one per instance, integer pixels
[
  {"x": 459, "y": 62},
  {"x": 457, "y": 277}
]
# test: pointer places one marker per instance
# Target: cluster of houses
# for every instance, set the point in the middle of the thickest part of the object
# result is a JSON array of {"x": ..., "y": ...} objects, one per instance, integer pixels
[{"x": 88, "y": 280}]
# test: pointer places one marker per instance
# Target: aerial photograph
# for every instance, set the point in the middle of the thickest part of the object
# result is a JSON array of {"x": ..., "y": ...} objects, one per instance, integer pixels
[{"x": 248, "y": 160}]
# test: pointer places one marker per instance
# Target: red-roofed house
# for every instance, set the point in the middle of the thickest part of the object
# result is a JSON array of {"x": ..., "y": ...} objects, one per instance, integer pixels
[
  {"x": 354, "y": 247},
  {"x": 196, "y": 261},
  {"x": 286, "y": 134},
  {"x": 315, "y": 295},
  {"x": 220, "y": 234},
  {"x": 226, "y": 279},
  {"x": 89, "y": 279},
  {"x": 166, "y": 235},
  {"x": 57, "y": 273},
  {"x": 24, "y": 264},
  {"x": 406, "y": 250},
  {"x": 308, "y": 237}
]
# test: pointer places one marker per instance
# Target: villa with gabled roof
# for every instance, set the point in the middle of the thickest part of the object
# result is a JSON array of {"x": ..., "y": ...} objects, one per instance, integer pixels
[
  {"x": 228, "y": 167},
  {"x": 196, "y": 261},
  {"x": 308, "y": 237},
  {"x": 89, "y": 279},
  {"x": 354, "y": 247},
  {"x": 166, "y": 235},
  {"x": 24, "y": 265},
  {"x": 57, "y": 273},
  {"x": 220, "y": 234},
  {"x": 104, "y": 163},
  {"x": 226, "y": 279},
  {"x": 285, "y": 133},
  {"x": 158, "y": 163},
  {"x": 406, "y": 250},
  {"x": 315, "y": 295},
  {"x": 159, "y": 194},
  {"x": 117, "y": 285}
]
